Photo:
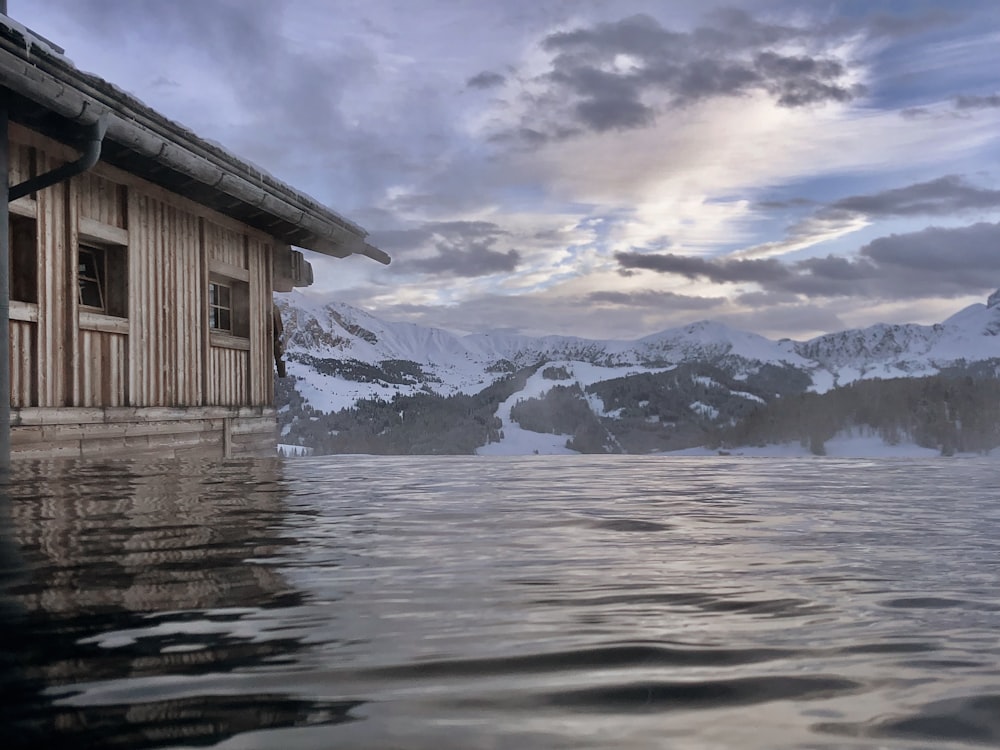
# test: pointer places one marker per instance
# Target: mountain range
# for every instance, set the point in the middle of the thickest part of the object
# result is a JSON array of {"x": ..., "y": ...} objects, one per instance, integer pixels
[{"x": 675, "y": 389}]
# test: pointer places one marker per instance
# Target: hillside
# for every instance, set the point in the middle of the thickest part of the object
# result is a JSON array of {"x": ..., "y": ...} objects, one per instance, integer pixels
[{"x": 361, "y": 384}]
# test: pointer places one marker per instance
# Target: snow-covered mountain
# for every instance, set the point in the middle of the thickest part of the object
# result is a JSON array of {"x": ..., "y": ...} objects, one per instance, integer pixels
[
  {"x": 450, "y": 363},
  {"x": 339, "y": 355}
]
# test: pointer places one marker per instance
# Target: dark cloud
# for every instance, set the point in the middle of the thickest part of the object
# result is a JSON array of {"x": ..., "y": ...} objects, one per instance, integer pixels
[
  {"x": 790, "y": 203},
  {"x": 946, "y": 262},
  {"x": 655, "y": 299},
  {"x": 916, "y": 113},
  {"x": 940, "y": 197},
  {"x": 614, "y": 75},
  {"x": 977, "y": 102},
  {"x": 461, "y": 248},
  {"x": 724, "y": 271},
  {"x": 469, "y": 263},
  {"x": 945, "y": 196},
  {"x": 485, "y": 80}
]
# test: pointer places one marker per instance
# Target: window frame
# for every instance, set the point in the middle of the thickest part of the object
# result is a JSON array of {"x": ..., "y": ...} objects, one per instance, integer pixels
[
  {"x": 22, "y": 257},
  {"x": 99, "y": 279},
  {"x": 218, "y": 306},
  {"x": 237, "y": 309},
  {"x": 110, "y": 263}
]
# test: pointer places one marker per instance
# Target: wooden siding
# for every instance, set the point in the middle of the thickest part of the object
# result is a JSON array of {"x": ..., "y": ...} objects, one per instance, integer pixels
[
  {"x": 103, "y": 379},
  {"x": 225, "y": 245},
  {"x": 56, "y": 300},
  {"x": 198, "y": 432},
  {"x": 102, "y": 200},
  {"x": 228, "y": 376},
  {"x": 166, "y": 312},
  {"x": 160, "y": 353},
  {"x": 23, "y": 364},
  {"x": 261, "y": 324},
  {"x": 21, "y": 166}
]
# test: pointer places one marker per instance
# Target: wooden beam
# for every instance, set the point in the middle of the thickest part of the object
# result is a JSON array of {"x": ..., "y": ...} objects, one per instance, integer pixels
[{"x": 97, "y": 231}]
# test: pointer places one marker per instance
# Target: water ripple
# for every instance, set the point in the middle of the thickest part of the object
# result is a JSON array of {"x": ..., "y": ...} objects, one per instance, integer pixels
[{"x": 577, "y": 602}]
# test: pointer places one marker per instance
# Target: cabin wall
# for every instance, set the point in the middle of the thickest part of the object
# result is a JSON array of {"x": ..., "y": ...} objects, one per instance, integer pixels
[{"x": 143, "y": 341}]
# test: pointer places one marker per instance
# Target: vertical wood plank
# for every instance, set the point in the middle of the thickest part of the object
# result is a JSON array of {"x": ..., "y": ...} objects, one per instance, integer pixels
[
  {"x": 55, "y": 277},
  {"x": 72, "y": 357},
  {"x": 136, "y": 253},
  {"x": 206, "y": 370}
]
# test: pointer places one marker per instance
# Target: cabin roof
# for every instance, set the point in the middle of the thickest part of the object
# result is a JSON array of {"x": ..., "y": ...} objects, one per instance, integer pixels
[{"x": 50, "y": 95}]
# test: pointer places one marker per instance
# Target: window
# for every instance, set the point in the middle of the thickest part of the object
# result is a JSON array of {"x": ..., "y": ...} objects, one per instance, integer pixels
[
  {"x": 220, "y": 307},
  {"x": 91, "y": 276},
  {"x": 102, "y": 280},
  {"x": 23, "y": 238},
  {"x": 229, "y": 306}
]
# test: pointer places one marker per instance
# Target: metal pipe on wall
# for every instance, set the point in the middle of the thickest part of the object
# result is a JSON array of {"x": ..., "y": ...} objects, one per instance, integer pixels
[
  {"x": 91, "y": 155},
  {"x": 4, "y": 293}
]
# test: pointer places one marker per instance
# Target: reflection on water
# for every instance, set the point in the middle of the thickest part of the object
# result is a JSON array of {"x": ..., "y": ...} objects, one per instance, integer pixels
[{"x": 533, "y": 602}]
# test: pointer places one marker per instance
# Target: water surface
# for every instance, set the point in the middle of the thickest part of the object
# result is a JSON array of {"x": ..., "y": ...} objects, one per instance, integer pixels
[{"x": 549, "y": 602}]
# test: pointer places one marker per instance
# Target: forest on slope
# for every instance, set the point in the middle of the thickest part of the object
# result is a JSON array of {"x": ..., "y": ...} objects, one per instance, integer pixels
[
  {"x": 953, "y": 414},
  {"x": 692, "y": 405}
]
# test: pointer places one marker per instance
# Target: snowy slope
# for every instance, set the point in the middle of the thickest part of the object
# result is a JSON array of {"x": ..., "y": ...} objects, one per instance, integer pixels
[{"x": 317, "y": 329}]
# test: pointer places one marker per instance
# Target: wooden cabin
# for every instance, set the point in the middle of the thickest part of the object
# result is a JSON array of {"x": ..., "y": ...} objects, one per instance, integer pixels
[{"x": 141, "y": 288}]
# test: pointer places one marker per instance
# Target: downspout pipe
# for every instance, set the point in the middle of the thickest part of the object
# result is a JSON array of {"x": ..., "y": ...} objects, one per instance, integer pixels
[{"x": 91, "y": 155}]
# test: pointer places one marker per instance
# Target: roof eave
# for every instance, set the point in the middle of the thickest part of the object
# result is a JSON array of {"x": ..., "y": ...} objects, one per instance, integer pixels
[{"x": 133, "y": 126}]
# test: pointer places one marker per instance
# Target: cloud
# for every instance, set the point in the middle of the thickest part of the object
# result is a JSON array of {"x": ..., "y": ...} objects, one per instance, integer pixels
[
  {"x": 936, "y": 261},
  {"x": 977, "y": 102},
  {"x": 654, "y": 298},
  {"x": 458, "y": 248},
  {"x": 940, "y": 197},
  {"x": 486, "y": 80},
  {"x": 469, "y": 263},
  {"x": 719, "y": 271},
  {"x": 944, "y": 196},
  {"x": 620, "y": 75}
]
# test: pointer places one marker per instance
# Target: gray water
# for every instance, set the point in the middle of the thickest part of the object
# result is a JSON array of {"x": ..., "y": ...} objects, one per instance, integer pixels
[{"x": 543, "y": 602}]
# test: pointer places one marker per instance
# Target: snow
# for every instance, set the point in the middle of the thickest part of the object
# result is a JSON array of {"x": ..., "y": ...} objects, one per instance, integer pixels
[
  {"x": 290, "y": 451},
  {"x": 460, "y": 362},
  {"x": 33, "y": 41},
  {"x": 704, "y": 409},
  {"x": 840, "y": 446},
  {"x": 748, "y": 396},
  {"x": 518, "y": 441},
  {"x": 706, "y": 381},
  {"x": 320, "y": 327}
]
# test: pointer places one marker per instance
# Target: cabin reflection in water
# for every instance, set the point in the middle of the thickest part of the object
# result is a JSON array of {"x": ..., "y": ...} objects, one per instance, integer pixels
[{"x": 119, "y": 571}]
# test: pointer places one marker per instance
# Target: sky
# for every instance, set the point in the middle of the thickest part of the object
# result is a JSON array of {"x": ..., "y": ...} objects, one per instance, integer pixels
[{"x": 605, "y": 169}]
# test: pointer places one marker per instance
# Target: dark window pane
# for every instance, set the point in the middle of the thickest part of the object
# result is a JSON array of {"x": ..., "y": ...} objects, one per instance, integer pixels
[
  {"x": 90, "y": 275},
  {"x": 88, "y": 264},
  {"x": 223, "y": 319},
  {"x": 90, "y": 293}
]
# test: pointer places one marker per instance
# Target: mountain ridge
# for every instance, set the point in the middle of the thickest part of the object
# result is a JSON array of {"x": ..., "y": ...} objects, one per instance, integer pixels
[{"x": 340, "y": 356}]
